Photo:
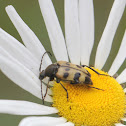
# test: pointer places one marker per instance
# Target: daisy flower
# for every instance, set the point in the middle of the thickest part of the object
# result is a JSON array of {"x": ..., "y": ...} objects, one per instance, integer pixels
[{"x": 86, "y": 106}]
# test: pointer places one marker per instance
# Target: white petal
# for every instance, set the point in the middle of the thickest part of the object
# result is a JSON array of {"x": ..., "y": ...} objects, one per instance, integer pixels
[
  {"x": 54, "y": 30},
  {"x": 66, "y": 124},
  {"x": 19, "y": 52},
  {"x": 25, "y": 108},
  {"x": 119, "y": 58},
  {"x": 124, "y": 119},
  {"x": 72, "y": 30},
  {"x": 20, "y": 75},
  {"x": 86, "y": 18},
  {"x": 122, "y": 77},
  {"x": 28, "y": 36},
  {"x": 125, "y": 90},
  {"x": 105, "y": 43},
  {"x": 42, "y": 121},
  {"x": 119, "y": 124}
]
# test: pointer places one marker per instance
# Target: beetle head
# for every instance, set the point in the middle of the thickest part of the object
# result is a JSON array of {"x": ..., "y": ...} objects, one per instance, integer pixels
[{"x": 42, "y": 75}]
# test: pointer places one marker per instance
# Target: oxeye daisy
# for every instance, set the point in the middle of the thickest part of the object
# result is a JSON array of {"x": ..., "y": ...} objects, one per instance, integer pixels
[{"x": 101, "y": 104}]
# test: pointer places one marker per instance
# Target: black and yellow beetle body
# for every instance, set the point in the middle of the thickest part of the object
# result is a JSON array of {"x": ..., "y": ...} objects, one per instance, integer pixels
[{"x": 67, "y": 72}]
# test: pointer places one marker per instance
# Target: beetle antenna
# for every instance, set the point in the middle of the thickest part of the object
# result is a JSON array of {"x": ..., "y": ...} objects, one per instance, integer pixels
[
  {"x": 42, "y": 59},
  {"x": 40, "y": 72},
  {"x": 42, "y": 93}
]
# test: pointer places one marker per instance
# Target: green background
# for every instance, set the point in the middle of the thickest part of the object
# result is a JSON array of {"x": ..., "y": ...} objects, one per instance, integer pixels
[{"x": 30, "y": 12}]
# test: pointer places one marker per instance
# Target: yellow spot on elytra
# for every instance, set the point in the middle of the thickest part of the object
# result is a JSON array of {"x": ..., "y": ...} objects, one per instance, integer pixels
[{"x": 88, "y": 106}]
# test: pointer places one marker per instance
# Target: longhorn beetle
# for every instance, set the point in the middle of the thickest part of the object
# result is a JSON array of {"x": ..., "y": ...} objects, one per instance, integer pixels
[{"x": 66, "y": 72}]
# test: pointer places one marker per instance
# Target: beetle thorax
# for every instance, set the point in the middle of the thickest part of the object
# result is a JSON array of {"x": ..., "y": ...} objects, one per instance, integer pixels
[{"x": 51, "y": 70}]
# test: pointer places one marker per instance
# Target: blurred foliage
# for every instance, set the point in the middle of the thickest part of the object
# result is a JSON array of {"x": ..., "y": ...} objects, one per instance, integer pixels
[{"x": 30, "y": 12}]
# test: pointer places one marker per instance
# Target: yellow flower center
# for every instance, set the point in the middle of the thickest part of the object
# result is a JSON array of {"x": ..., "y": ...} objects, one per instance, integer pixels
[{"x": 89, "y": 106}]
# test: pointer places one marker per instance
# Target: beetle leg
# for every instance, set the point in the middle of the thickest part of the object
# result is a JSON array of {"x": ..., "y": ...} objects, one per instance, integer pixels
[
  {"x": 95, "y": 88},
  {"x": 57, "y": 80},
  {"x": 94, "y": 70},
  {"x": 74, "y": 82},
  {"x": 51, "y": 78},
  {"x": 65, "y": 90}
]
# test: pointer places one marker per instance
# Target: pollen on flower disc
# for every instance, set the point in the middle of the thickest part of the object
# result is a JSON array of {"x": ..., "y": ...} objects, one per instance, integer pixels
[{"x": 89, "y": 106}]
